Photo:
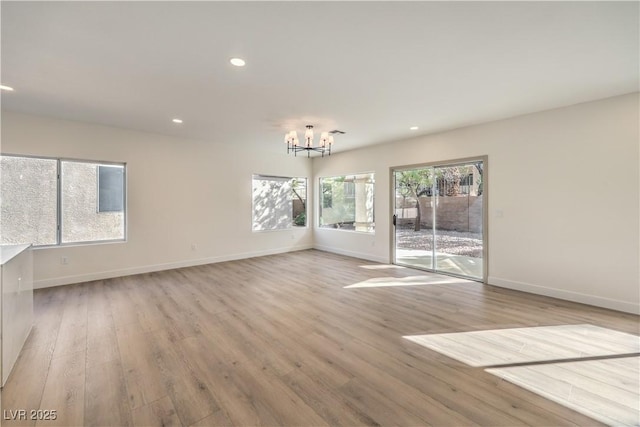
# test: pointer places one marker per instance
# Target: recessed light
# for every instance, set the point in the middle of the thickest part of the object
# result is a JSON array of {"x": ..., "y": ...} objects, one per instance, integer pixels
[
  {"x": 177, "y": 121},
  {"x": 413, "y": 128},
  {"x": 7, "y": 88},
  {"x": 238, "y": 62}
]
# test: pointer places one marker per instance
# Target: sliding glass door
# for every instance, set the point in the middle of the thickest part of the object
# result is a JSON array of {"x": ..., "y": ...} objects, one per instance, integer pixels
[{"x": 438, "y": 220}]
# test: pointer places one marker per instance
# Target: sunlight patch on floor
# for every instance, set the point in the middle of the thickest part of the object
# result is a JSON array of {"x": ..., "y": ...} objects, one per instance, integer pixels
[
  {"x": 606, "y": 390},
  {"x": 378, "y": 282},
  {"x": 381, "y": 267},
  {"x": 525, "y": 345}
]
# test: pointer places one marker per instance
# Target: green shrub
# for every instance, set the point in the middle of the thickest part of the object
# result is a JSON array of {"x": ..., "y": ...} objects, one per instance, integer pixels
[{"x": 301, "y": 220}]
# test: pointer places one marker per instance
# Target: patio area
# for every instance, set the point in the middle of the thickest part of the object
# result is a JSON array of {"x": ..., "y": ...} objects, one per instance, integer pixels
[{"x": 456, "y": 252}]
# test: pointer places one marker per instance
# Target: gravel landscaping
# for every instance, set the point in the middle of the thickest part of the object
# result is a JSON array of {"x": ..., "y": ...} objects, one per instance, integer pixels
[{"x": 451, "y": 242}]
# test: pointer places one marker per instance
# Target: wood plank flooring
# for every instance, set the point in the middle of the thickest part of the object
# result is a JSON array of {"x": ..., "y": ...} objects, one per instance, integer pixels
[
  {"x": 596, "y": 388},
  {"x": 278, "y": 340}
]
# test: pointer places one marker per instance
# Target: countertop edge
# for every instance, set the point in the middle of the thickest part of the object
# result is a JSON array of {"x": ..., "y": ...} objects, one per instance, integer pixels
[{"x": 8, "y": 252}]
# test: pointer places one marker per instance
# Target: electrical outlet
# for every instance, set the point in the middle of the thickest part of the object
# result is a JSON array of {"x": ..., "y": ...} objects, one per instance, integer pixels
[
  {"x": 194, "y": 247},
  {"x": 64, "y": 260}
]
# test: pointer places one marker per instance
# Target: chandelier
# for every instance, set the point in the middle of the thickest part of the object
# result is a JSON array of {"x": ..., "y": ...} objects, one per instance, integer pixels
[{"x": 324, "y": 145}]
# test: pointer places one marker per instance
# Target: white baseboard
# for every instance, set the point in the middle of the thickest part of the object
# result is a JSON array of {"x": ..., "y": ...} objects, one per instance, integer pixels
[
  {"x": 67, "y": 280},
  {"x": 625, "y": 306},
  {"x": 360, "y": 255}
]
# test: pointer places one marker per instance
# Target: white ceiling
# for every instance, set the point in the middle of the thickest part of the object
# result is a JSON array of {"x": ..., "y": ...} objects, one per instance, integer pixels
[{"x": 372, "y": 69}]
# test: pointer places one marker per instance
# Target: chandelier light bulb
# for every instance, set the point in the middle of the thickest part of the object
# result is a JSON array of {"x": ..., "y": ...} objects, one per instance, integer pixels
[
  {"x": 324, "y": 137},
  {"x": 293, "y": 135},
  {"x": 308, "y": 136}
]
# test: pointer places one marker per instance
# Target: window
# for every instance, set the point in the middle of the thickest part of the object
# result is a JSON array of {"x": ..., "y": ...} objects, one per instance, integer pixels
[
  {"x": 346, "y": 202},
  {"x": 279, "y": 202},
  {"x": 53, "y": 201}
]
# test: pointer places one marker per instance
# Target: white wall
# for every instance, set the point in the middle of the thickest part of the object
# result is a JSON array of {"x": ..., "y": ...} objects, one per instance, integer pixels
[
  {"x": 179, "y": 192},
  {"x": 567, "y": 182}
]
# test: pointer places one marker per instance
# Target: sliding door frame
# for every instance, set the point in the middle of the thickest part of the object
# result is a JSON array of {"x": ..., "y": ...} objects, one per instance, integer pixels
[{"x": 485, "y": 209}]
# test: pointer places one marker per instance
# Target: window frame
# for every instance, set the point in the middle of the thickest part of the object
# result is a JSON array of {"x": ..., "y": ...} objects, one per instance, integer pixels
[{"x": 59, "y": 161}]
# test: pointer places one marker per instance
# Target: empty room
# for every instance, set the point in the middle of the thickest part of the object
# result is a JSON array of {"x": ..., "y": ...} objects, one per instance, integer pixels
[{"x": 320, "y": 213}]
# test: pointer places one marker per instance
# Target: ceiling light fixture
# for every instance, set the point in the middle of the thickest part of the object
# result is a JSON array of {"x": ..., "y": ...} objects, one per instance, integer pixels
[
  {"x": 177, "y": 121},
  {"x": 413, "y": 128},
  {"x": 238, "y": 62},
  {"x": 324, "y": 145},
  {"x": 7, "y": 88}
]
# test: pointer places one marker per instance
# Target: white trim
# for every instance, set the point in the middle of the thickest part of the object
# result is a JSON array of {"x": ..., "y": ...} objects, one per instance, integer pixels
[
  {"x": 67, "y": 280},
  {"x": 625, "y": 306},
  {"x": 360, "y": 255},
  {"x": 628, "y": 307}
]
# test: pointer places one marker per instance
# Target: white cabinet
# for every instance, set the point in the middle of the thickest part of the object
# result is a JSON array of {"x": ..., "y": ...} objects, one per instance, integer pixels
[{"x": 17, "y": 303}]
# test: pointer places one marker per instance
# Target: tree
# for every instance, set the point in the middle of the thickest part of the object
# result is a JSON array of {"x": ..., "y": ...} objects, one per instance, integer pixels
[
  {"x": 449, "y": 181},
  {"x": 416, "y": 183}
]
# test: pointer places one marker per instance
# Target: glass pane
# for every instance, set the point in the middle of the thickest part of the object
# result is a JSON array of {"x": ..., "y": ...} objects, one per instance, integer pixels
[
  {"x": 414, "y": 217},
  {"x": 82, "y": 220},
  {"x": 299, "y": 201},
  {"x": 347, "y": 202},
  {"x": 29, "y": 200},
  {"x": 110, "y": 188},
  {"x": 338, "y": 208},
  {"x": 363, "y": 193},
  {"x": 458, "y": 201},
  {"x": 272, "y": 203}
]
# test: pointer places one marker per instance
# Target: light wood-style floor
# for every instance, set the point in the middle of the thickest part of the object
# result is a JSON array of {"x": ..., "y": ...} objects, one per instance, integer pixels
[{"x": 279, "y": 340}]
